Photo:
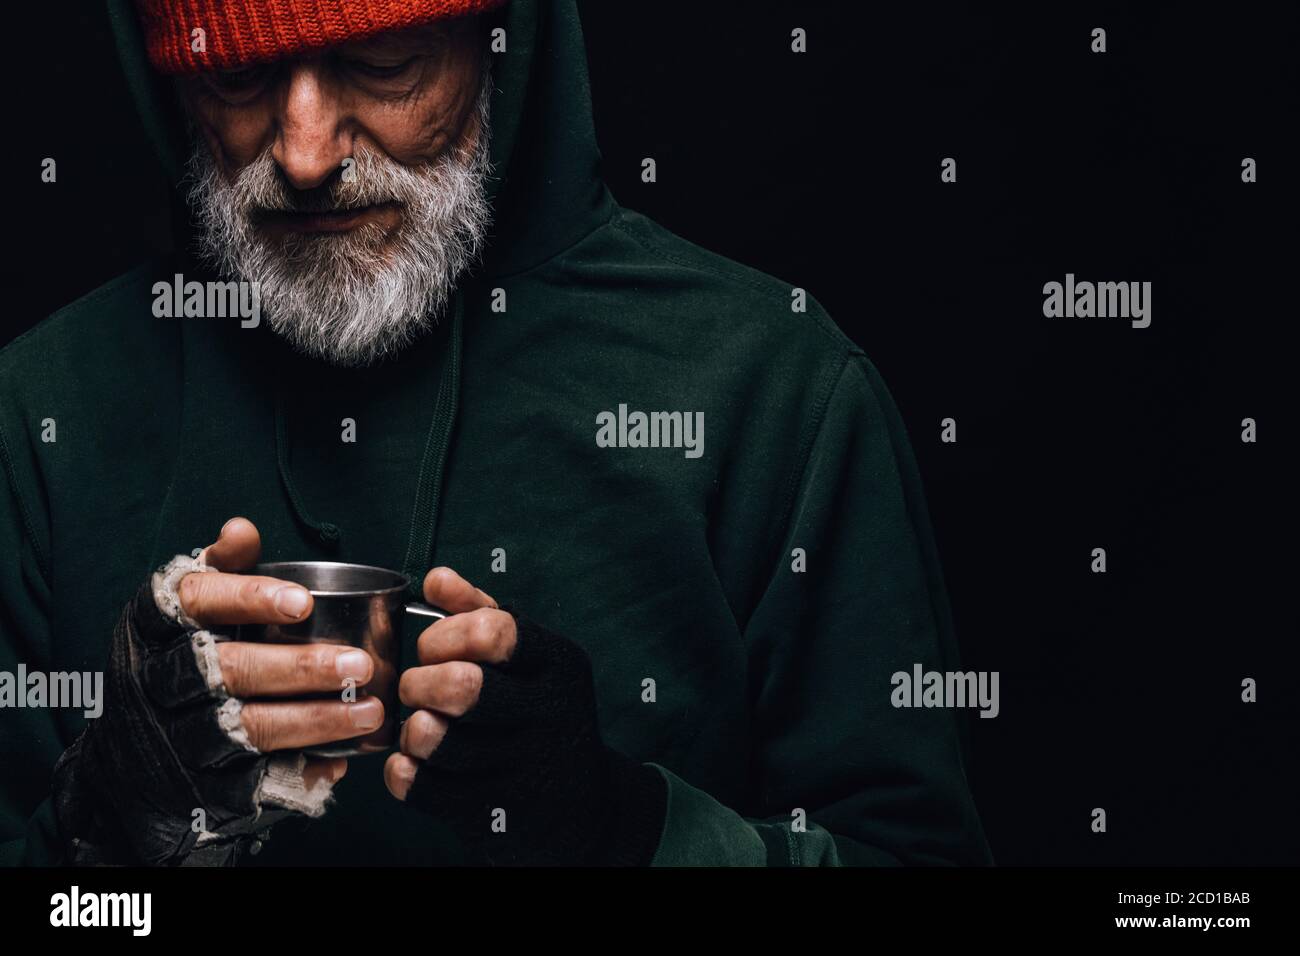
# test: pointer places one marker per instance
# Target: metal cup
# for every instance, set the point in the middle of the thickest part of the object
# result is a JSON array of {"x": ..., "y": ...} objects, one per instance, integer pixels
[{"x": 353, "y": 604}]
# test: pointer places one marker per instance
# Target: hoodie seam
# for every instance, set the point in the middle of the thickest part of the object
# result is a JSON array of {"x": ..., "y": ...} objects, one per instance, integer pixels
[
  {"x": 799, "y": 473},
  {"x": 29, "y": 525},
  {"x": 560, "y": 252},
  {"x": 824, "y": 323},
  {"x": 679, "y": 260},
  {"x": 796, "y": 480},
  {"x": 67, "y": 312}
]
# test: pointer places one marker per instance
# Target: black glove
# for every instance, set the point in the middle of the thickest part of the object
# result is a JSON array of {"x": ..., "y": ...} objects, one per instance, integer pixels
[
  {"x": 532, "y": 748},
  {"x": 127, "y": 790}
]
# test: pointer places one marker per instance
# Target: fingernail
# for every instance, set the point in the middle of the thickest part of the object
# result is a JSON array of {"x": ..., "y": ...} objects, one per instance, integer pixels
[
  {"x": 292, "y": 601},
  {"x": 366, "y": 714},
  {"x": 354, "y": 664}
]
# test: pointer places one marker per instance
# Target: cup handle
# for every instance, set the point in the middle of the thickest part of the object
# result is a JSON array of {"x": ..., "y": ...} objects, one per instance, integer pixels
[{"x": 425, "y": 610}]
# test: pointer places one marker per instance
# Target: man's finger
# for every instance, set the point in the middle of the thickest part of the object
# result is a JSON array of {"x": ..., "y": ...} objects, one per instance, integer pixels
[
  {"x": 292, "y": 725},
  {"x": 237, "y": 548},
  {"x": 485, "y": 635},
  {"x": 422, "y": 733},
  {"x": 450, "y": 688},
  {"x": 291, "y": 670},
  {"x": 215, "y": 598},
  {"x": 329, "y": 769},
  {"x": 399, "y": 774},
  {"x": 446, "y": 589}
]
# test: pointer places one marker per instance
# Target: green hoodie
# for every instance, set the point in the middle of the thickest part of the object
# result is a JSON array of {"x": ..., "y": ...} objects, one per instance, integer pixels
[{"x": 769, "y": 587}]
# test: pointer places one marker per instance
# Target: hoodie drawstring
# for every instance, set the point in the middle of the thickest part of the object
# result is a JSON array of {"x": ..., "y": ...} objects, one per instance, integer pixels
[
  {"x": 328, "y": 533},
  {"x": 424, "y": 514}
]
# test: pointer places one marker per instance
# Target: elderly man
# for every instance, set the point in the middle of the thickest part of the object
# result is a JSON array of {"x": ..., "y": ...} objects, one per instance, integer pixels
[{"x": 466, "y": 362}]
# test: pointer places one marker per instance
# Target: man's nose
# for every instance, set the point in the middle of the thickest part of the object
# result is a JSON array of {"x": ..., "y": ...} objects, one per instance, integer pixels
[{"x": 311, "y": 142}]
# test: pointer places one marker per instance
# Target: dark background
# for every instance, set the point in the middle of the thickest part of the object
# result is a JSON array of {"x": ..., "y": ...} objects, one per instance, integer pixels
[{"x": 1118, "y": 690}]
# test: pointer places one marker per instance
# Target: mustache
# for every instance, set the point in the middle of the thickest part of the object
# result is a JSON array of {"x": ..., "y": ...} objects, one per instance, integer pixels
[{"x": 362, "y": 180}]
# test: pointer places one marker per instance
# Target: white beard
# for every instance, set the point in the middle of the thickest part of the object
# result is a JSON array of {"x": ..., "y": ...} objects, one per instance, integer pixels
[{"x": 350, "y": 298}]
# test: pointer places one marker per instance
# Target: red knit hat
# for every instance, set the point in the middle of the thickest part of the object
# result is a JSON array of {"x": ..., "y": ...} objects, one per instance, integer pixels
[{"x": 239, "y": 32}]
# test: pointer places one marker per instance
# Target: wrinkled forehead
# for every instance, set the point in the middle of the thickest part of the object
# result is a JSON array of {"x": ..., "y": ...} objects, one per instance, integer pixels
[{"x": 195, "y": 36}]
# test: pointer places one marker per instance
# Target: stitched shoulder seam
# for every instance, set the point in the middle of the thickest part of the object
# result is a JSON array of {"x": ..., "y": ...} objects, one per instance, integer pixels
[
  {"x": 90, "y": 298},
  {"x": 824, "y": 323}
]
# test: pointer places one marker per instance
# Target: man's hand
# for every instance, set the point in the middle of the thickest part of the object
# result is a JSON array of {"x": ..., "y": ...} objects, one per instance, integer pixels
[
  {"x": 175, "y": 769},
  {"x": 221, "y": 598},
  {"x": 504, "y": 744},
  {"x": 475, "y": 632}
]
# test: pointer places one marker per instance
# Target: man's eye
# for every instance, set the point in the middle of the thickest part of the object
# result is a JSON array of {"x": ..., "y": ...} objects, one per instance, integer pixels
[
  {"x": 243, "y": 82},
  {"x": 382, "y": 71}
]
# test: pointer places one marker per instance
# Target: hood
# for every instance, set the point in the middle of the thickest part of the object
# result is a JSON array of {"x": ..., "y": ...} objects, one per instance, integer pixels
[
  {"x": 546, "y": 195},
  {"x": 546, "y": 191}
]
